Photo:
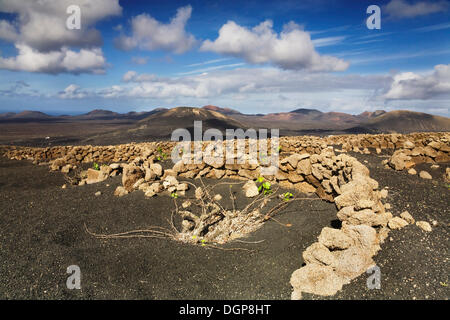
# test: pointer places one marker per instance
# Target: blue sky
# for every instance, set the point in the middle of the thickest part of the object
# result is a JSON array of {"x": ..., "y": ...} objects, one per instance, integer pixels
[{"x": 254, "y": 56}]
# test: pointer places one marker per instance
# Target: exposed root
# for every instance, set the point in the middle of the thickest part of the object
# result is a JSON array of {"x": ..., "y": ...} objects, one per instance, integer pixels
[
  {"x": 211, "y": 224},
  {"x": 152, "y": 232}
]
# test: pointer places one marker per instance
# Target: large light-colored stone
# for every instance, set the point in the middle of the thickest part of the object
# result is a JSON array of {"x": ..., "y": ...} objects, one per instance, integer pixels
[
  {"x": 304, "y": 167},
  {"x": 405, "y": 215},
  {"x": 425, "y": 226},
  {"x": 157, "y": 169},
  {"x": 334, "y": 239},
  {"x": 120, "y": 191},
  {"x": 250, "y": 189},
  {"x": 408, "y": 145},
  {"x": 294, "y": 159},
  {"x": 425, "y": 175},
  {"x": 366, "y": 217},
  {"x": 397, "y": 223},
  {"x": 398, "y": 160},
  {"x": 316, "y": 279},
  {"x": 352, "y": 262},
  {"x": 94, "y": 176},
  {"x": 360, "y": 188},
  {"x": 318, "y": 253},
  {"x": 170, "y": 181},
  {"x": 363, "y": 236},
  {"x": 305, "y": 187}
]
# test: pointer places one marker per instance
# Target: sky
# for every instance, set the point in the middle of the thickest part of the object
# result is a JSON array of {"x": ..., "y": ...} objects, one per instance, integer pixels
[{"x": 252, "y": 56}]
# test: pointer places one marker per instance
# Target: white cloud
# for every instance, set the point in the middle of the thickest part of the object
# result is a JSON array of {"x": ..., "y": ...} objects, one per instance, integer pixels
[
  {"x": 223, "y": 66},
  {"x": 150, "y": 34},
  {"x": 348, "y": 93},
  {"x": 327, "y": 41},
  {"x": 291, "y": 49},
  {"x": 111, "y": 92},
  {"x": 262, "y": 90},
  {"x": 207, "y": 62},
  {"x": 434, "y": 27},
  {"x": 402, "y": 55},
  {"x": 139, "y": 60},
  {"x": 7, "y": 31},
  {"x": 72, "y": 91},
  {"x": 403, "y": 9},
  {"x": 247, "y": 81},
  {"x": 409, "y": 85},
  {"x": 43, "y": 41},
  {"x": 42, "y": 24},
  {"x": 53, "y": 62},
  {"x": 18, "y": 88},
  {"x": 133, "y": 76}
]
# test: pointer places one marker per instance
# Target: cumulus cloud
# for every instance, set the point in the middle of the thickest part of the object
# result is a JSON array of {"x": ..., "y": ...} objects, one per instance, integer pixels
[
  {"x": 403, "y": 9},
  {"x": 273, "y": 82},
  {"x": 18, "y": 88},
  {"x": 42, "y": 24},
  {"x": 327, "y": 41},
  {"x": 273, "y": 90},
  {"x": 133, "y": 76},
  {"x": 111, "y": 92},
  {"x": 149, "y": 34},
  {"x": 53, "y": 62},
  {"x": 7, "y": 31},
  {"x": 72, "y": 91},
  {"x": 291, "y": 49},
  {"x": 39, "y": 32},
  {"x": 246, "y": 81},
  {"x": 409, "y": 85}
]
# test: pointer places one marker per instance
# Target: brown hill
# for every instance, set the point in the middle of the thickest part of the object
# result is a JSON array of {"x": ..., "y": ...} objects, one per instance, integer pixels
[
  {"x": 310, "y": 120},
  {"x": 369, "y": 115},
  {"x": 28, "y": 114},
  {"x": 161, "y": 124},
  {"x": 403, "y": 121},
  {"x": 300, "y": 120},
  {"x": 100, "y": 114},
  {"x": 164, "y": 122},
  {"x": 106, "y": 127},
  {"x": 226, "y": 111}
]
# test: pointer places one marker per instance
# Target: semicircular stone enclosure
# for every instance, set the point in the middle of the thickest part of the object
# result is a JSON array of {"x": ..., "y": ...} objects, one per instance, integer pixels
[{"x": 307, "y": 164}]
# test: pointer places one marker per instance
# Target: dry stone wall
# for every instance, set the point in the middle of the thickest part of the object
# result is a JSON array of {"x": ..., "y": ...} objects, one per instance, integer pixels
[
  {"x": 85, "y": 154},
  {"x": 303, "y": 144},
  {"x": 362, "y": 142},
  {"x": 424, "y": 151}
]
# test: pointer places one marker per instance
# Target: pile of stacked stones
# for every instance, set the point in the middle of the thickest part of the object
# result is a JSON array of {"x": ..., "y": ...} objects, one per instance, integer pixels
[
  {"x": 361, "y": 142},
  {"x": 64, "y": 155},
  {"x": 302, "y": 144},
  {"x": 340, "y": 255},
  {"x": 420, "y": 151}
]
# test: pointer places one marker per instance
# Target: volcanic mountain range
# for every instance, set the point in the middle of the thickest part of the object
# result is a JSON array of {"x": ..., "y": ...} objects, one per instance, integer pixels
[{"x": 160, "y": 123}]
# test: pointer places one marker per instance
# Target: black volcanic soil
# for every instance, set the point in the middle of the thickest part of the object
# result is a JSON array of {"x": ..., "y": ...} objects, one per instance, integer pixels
[{"x": 42, "y": 233}]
